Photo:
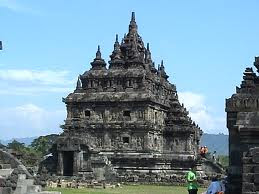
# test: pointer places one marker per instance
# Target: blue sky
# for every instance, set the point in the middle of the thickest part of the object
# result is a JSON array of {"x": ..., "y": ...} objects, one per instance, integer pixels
[{"x": 205, "y": 45}]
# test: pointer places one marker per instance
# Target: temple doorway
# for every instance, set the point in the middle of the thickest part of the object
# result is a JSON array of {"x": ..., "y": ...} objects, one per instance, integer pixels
[{"x": 68, "y": 163}]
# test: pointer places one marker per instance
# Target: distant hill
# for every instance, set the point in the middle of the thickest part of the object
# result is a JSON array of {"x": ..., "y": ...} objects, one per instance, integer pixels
[
  {"x": 27, "y": 140},
  {"x": 215, "y": 142}
]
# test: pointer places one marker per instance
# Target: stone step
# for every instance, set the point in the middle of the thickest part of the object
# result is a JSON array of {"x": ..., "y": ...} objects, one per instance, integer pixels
[
  {"x": 5, "y": 172},
  {"x": 25, "y": 182},
  {"x": 21, "y": 189},
  {"x": 21, "y": 176},
  {"x": 5, "y": 166},
  {"x": 34, "y": 188}
]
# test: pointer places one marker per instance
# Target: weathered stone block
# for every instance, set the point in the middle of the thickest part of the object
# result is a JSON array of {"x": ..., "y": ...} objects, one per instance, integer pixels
[
  {"x": 26, "y": 182},
  {"x": 248, "y": 177},
  {"x": 22, "y": 189},
  {"x": 248, "y": 187},
  {"x": 256, "y": 178},
  {"x": 256, "y": 169},
  {"x": 5, "y": 190},
  {"x": 247, "y": 160},
  {"x": 255, "y": 158},
  {"x": 255, "y": 150},
  {"x": 5, "y": 172},
  {"x": 33, "y": 188},
  {"x": 21, "y": 176},
  {"x": 6, "y": 166},
  {"x": 248, "y": 168}
]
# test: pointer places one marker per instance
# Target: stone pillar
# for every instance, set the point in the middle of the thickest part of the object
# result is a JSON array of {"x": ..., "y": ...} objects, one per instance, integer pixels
[
  {"x": 60, "y": 166},
  {"x": 235, "y": 164}
]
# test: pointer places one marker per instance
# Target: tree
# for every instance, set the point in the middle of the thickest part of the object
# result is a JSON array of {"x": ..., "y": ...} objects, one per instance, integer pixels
[
  {"x": 16, "y": 145},
  {"x": 42, "y": 144}
]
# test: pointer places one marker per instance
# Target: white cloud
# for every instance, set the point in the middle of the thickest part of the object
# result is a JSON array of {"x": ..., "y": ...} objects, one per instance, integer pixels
[
  {"x": 29, "y": 120},
  {"x": 46, "y": 77},
  {"x": 14, "y": 6},
  {"x": 33, "y": 91},
  {"x": 32, "y": 82},
  {"x": 202, "y": 114}
]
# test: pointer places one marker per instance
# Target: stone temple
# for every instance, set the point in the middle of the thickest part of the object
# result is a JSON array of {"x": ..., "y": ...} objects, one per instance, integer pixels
[
  {"x": 243, "y": 124},
  {"x": 126, "y": 118}
]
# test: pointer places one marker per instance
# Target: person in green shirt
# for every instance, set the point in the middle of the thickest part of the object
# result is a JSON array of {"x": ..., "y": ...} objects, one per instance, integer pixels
[{"x": 192, "y": 180}]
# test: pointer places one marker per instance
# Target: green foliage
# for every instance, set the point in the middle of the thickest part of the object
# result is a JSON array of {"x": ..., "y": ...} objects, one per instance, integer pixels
[
  {"x": 31, "y": 155},
  {"x": 42, "y": 144},
  {"x": 16, "y": 146},
  {"x": 27, "y": 155}
]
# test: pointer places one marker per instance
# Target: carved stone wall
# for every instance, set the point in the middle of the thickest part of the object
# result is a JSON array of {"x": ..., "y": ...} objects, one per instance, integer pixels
[{"x": 250, "y": 174}]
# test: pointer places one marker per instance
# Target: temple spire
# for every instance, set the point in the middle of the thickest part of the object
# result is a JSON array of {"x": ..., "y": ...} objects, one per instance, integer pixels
[
  {"x": 256, "y": 63},
  {"x": 148, "y": 55},
  {"x": 132, "y": 46},
  {"x": 133, "y": 16},
  {"x": 79, "y": 83},
  {"x": 116, "y": 56},
  {"x": 162, "y": 70},
  {"x": 116, "y": 38},
  {"x": 98, "y": 62},
  {"x": 133, "y": 25},
  {"x": 98, "y": 53}
]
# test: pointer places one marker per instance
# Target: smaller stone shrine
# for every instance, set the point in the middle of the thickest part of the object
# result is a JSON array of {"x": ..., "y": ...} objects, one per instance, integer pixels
[{"x": 243, "y": 124}]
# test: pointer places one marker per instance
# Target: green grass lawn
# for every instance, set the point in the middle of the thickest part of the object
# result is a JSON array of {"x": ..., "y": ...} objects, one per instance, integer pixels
[{"x": 126, "y": 189}]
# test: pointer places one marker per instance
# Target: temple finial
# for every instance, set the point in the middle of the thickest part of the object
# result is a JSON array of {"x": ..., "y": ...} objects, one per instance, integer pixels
[
  {"x": 116, "y": 39},
  {"x": 98, "y": 53},
  {"x": 133, "y": 16},
  {"x": 133, "y": 26},
  {"x": 162, "y": 63},
  {"x": 78, "y": 84},
  {"x": 148, "y": 46},
  {"x": 256, "y": 63},
  {"x": 98, "y": 62}
]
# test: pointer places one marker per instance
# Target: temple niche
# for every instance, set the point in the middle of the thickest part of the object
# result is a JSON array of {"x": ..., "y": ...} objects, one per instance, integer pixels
[
  {"x": 243, "y": 124},
  {"x": 126, "y": 117}
]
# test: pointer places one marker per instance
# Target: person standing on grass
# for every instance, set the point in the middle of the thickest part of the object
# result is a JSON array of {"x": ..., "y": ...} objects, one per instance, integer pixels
[
  {"x": 192, "y": 180},
  {"x": 216, "y": 187}
]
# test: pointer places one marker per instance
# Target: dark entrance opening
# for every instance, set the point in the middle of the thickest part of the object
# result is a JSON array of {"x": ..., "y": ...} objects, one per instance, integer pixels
[{"x": 68, "y": 163}]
